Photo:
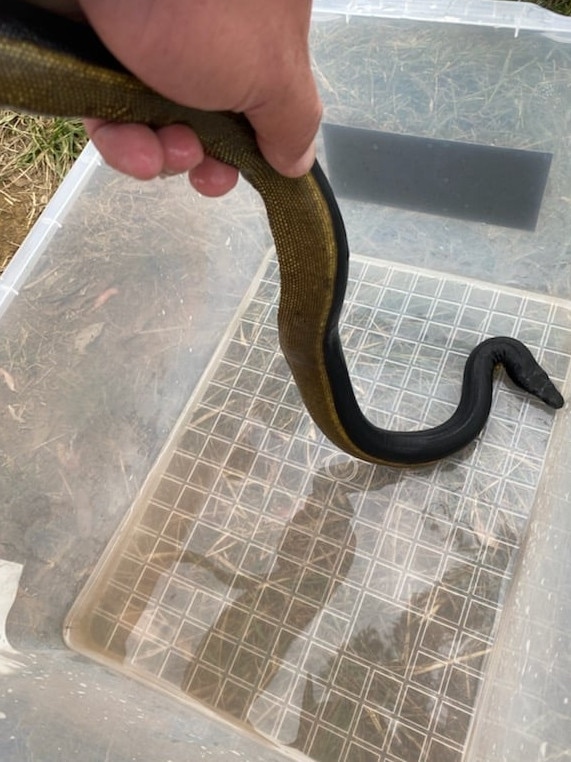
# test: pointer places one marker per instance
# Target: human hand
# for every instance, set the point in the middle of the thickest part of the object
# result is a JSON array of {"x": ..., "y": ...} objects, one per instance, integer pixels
[{"x": 247, "y": 56}]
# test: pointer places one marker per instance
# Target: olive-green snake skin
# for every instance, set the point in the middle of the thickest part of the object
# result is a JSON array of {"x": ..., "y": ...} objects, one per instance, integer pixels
[{"x": 53, "y": 66}]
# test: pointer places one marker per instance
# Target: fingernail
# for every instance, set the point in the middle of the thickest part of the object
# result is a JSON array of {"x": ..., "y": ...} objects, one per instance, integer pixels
[{"x": 166, "y": 173}]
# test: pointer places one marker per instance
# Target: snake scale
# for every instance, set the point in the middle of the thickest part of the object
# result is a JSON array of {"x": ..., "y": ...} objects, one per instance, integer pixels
[{"x": 54, "y": 66}]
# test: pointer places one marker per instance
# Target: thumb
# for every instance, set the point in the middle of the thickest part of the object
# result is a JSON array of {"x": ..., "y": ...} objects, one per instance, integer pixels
[{"x": 286, "y": 126}]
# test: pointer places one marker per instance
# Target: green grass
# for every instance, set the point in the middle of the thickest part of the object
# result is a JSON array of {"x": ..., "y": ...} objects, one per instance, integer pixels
[
  {"x": 50, "y": 145},
  {"x": 56, "y": 143},
  {"x": 558, "y": 6},
  {"x": 35, "y": 155}
]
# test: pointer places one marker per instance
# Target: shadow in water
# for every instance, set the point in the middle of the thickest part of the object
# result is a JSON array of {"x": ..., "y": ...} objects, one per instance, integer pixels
[
  {"x": 254, "y": 631},
  {"x": 244, "y": 619}
]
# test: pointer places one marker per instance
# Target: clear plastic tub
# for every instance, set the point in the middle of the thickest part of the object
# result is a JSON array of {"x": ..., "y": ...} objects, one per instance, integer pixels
[{"x": 170, "y": 514}]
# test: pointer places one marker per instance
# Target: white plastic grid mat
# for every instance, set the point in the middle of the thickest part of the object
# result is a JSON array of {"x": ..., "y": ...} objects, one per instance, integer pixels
[{"x": 337, "y": 608}]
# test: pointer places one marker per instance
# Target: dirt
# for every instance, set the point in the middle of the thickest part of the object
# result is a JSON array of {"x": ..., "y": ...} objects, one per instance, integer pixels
[
  {"x": 18, "y": 211},
  {"x": 13, "y": 229},
  {"x": 24, "y": 193}
]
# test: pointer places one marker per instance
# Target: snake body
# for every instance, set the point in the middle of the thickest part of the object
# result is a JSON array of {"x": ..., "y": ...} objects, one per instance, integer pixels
[{"x": 53, "y": 66}]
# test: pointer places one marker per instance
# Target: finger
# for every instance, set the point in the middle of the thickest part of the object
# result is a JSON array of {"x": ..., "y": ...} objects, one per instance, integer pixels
[
  {"x": 144, "y": 153},
  {"x": 133, "y": 149},
  {"x": 182, "y": 151},
  {"x": 212, "y": 178},
  {"x": 140, "y": 152}
]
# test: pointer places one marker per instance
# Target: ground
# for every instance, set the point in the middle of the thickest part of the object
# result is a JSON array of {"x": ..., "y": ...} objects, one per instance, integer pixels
[{"x": 35, "y": 154}]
